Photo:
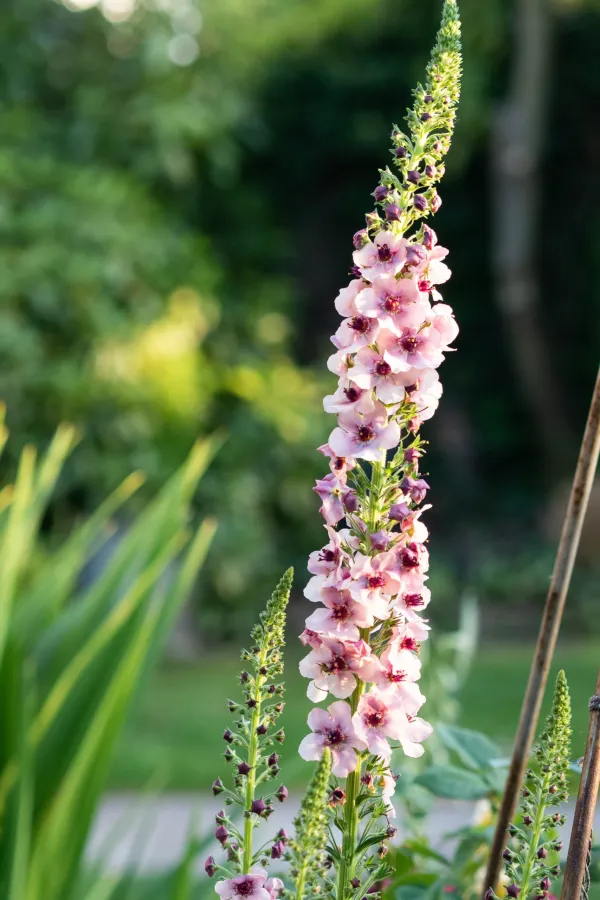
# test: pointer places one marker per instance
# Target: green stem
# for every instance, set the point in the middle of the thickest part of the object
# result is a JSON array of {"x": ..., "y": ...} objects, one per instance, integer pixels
[
  {"x": 536, "y": 832},
  {"x": 252, "y": 761},
  {"x": 346, "y": 871},
  {"x": 300, "y": 882}
]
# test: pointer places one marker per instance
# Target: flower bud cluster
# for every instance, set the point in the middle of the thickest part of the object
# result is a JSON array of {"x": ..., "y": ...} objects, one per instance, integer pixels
[
  {"x": 307, "y": 853},
  {"x": 532, "y": 859},
  {"x": 251, "y": 750}
]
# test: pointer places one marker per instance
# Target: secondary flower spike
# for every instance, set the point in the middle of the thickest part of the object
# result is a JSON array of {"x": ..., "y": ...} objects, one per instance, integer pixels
[{"x": 369, "y": 578}]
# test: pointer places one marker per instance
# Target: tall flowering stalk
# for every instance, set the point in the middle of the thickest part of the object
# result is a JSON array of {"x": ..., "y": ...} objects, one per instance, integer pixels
[
  {"x": 250, "y": 750},
  {"x": 370, "y": 578}
]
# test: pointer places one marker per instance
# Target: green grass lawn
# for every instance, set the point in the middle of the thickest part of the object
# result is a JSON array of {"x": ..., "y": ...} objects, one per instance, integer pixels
[{"x": 174, "y": 733}]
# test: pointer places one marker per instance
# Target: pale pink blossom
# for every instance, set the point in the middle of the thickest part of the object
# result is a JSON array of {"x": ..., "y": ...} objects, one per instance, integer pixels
[
  {"x": 374, "y": 581},
  {"x": 412, "y": 600},
  {"x": 399, "y": 672},
  {"x": 411, "y": 559},
  {"x": 334, "y": 667},
  {"x": 386, "y": 254},
  {"x": 342, "y": 616},
  {"x": 274, "y": 886},
  {"x": 345, "y": 302},
  {"x": 340, "y": 363},
  {"x": 244, "y": 887},
  {"x": 410, "y": 524},
  {"x": 333, "y": 728},
  {"x": 348, "y": 397},
  {"x": 443, "y": 321},
  {"x": 377, "y": 718},
  {"x": 328, "y": 560},
  {"x": 395, "y": 302},
  {"x": 364, "y": 437},
  {"x": 371, "y": 370},
  {"x": 339, "y": 465},
  {"x": 413, "y": 348},
  {"x": 355, "y": 332},
  {"x": 411, "y": 733},
  {"x": 331, "y": 490},
  {"x": 409, "y": 635},
  {"x": 425, "y": 391},
  {"x": 388, "y": 788},
  {"x": 310, "y": 639}
]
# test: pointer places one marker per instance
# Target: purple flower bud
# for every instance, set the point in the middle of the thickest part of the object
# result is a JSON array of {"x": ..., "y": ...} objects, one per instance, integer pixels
[
  {"x": 527, "y": 820},
  {"x": 382, "y": 851},
  {"x": 262, "y": 729},
  {"x": 217, "y": 787},
  {"x": 360, "y": 239},
  {"x": 243, "y": 768},
  {"x": 251, "y": 703},
  {"x": 355, "y": 271},
  {"x": 271, "y": 689},
  {"x": 400, "y": 152},
  {"x": 337, "y": 797},
  {"x": 430, "y": 171},
  {"x": 513, "y": 891},
  {"x": 355, "y": 882},
  {"x": 258, "y": 806},
  {"x": 489, "y": 894},
  {"x": 380, "y": 540},
  {"x": 411, "y": 454},
  {"x": 282, "y": 835},
  {"x": 428, "y": 98},
  {"x": 425, "y": 117},
  {"x": 231, "y": 706},
  {"x": 436, "y": 201},
  {"x": 399, "y": 511},
  {"x": 228, "y": 736},
  {"x": 220, "y": 817},
  {"x": 545, "y": 883},
  {"x": 209, "y": 866},
  {"x": 507, "y": 855},
  {"x": 350, "y": 501},
  {"x": 542, "y": 853},
  {"x": 415, "y": 488},
  {"x": 244, "y": 677},
  {"x": 228, "y": 755},
  {"x": 277, "y": 850},
  {"x": 381, "y": 192},
  {"x": 221, "y": 834},
  {"x": 415, "y": 254},
  {"x": 420, "y": 202},
  {"x": 282, "y": 793},
  {"x": 280, "y": 736},
  {"x": 414, "y": 176},
  {"x": 273, "y": 759},
  {"x": 393, "y": 212},
  {"x": 391, "y": 831},
  {"x": 429, "y": 237}
]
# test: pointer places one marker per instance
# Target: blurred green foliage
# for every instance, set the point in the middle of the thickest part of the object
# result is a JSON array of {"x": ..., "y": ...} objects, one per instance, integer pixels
[{"x": 179, "y": 181}]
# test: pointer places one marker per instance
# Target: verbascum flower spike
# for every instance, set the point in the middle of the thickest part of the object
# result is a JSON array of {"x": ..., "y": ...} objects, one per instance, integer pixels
[
  {"x": 532, "y": 859},
  {"x": 307, "y": 853},
  {"x": 369, "y": 580},
  {"x": 250, "y": 750}
]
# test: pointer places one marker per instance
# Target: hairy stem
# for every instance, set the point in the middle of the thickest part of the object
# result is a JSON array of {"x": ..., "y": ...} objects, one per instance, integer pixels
[
  {"x": 536, "y": 832},
  {"x": 252, "y": 761}
]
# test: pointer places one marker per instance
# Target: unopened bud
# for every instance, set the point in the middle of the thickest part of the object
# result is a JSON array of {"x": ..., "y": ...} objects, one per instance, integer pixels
[
  {"x": 209, "y": 866},
  {"x": 217, "y": 787},
  {"x": 221, "y": 834},
  {"x": 243, "y": 768},
  {"x": 282, "y": 793},
  {"x": 277, "y": 850}
]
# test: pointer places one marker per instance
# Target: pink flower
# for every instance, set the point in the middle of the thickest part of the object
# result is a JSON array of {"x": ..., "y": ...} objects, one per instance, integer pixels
[
  {"x": 331, "y": 490},
  {"x": 412, "y": 559},
  {"x": 334, "y": 667},
  {"x": 410, "y": 525},
  {"x": 342, "y": 616},
  {"x": 330, "y": 559},
  {"x": 411, "y": 733},
  {"x": 408, "y": 635},
  {"x": 443, "y": 321},
  {"x": 274, "y": 886},
  {"x": 333, "y": 728},
  {"x": 395, "y": 302},
  {"x": 310, "y": 639},
  {"x": 371, "y": 370},
  {"x": 355, "y": 332},
  {"x": 425, "y": 392},
  {"x": 364, "y": 437},
  {"x": 413, "y": 348},
  {"x": 376, "y": 719},
  {"x": 385, "y": 255},
  {"x": 341, "y": 362},
  {"x": 374, "y": 582},
  {"x": 339, "y": 465},
  {"x": 244, "y": 887},
  {"x": 345, "y": 302},
  {"x": 348, "y": 397},
  {"x": 388, "y": 789},
  {"x": 400, "y": 670},
  {"x": 412, "y": 600}
]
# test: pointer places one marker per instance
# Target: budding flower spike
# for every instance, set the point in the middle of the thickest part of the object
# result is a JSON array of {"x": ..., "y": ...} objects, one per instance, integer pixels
[
  {"x": 250, "y": 751},
  {"x": 532, "y": 859},
  {"x": 369, "y": 580}
]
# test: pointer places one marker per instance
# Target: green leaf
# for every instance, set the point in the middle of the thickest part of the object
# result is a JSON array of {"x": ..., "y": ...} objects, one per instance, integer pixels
[
  {"x": 474, "y": 749},
  {"x": 453, "y": 783}
]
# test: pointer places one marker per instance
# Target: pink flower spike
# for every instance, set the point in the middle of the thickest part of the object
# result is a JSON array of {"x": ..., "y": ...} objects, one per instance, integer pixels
[
  {"x": 377, "y": 718},
  {"x": 395, "y": 303},
  {"x": 374, "y": 582},
  {"x": 348, "y": 397},
  {"x": 334, "y": 667},
  {"x": 342, "y": 617},
  {"x": 331, "y": 490},
  {"x": 355, "y": 332},
  {"x": 333, "y": 728},
  {"x": 385, "y": 255},
  {"x": 244, "y": 887},
  {"x": 413, "y": 348},
  {"x": 339, "y": 465},
  {"x": 364, "y": 437}
]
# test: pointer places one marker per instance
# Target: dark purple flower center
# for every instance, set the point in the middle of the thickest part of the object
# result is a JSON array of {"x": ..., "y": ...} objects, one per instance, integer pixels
[
  {"x": 336, "y": 665},
  {"x": 395, "y": 677},
  {"x": 341, "y": 612},
  {"x": 352, "y": 394},
  {"x": 339, "y": 462},
  {"x": 373, "y": 719},
  {"x": 360, "y": 324},
  {"x": 334, "y": 736},
  {"x": 329, "y": 556},
  {"x": 409, "y": 342},
  {"x": 392, "y": 304},
  {"x": 375, "y": 581},
  {"x": 382, "y": 368},
  {"x": 409, "y": 559},
  {"x": 409, "y": 643},
  {"x": 244, "y": 887},
  {"x": 365, "y": 434},
  {"x": 413, "y": 601},
  {"x": 384, "y": 254}
]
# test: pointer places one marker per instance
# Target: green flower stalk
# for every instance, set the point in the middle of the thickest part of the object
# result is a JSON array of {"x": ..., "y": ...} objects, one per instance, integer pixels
[
  {"x": 532, "y": 859},
  {"x": 250, "y": 750},
  {"x": 307, "y": 851}
]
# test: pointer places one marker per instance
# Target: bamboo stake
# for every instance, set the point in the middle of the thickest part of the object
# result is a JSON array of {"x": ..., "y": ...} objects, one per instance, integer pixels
[
  {"x": 585, "y": 807},
  {"x": 553, "y": 611}
]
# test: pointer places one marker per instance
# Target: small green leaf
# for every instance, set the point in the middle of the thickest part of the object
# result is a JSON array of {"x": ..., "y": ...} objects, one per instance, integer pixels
[
  {"x": 474, "y": 749},
  {"x": 453, "y": 783}
]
